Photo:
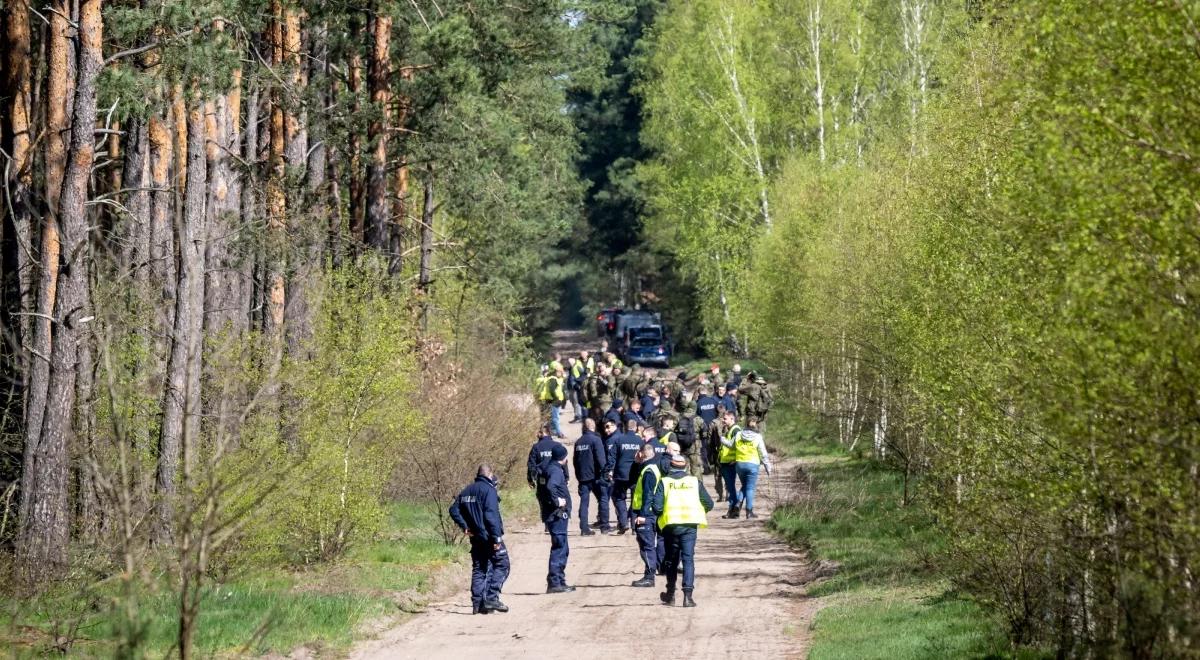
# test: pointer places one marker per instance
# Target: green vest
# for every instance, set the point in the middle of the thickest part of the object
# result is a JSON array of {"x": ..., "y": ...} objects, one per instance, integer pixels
[
  {"x": 728, "y": 454},
  {"x": 637, "y": 488},
  {"x": 681, "y": 503},
  {"x": 745, "y": 451}
]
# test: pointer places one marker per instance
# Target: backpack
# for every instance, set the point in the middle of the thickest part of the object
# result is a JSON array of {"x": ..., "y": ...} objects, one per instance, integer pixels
[{"x": 685, "y": 432}]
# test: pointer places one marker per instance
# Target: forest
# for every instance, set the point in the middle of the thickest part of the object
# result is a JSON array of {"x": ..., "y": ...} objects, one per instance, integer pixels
[
  {"x": 257, "y": 258},
  {"x": 964, "y": 234}
]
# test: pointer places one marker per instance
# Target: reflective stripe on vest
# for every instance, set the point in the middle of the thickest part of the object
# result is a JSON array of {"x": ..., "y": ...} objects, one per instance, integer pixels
[
  {"x": 637, "y": 489},
  {"x": 543, "y": 388},
  {"x": 745, "y": 451},
  {"x": 728, "y": 454},
  {"x": 681, "y": 502}
]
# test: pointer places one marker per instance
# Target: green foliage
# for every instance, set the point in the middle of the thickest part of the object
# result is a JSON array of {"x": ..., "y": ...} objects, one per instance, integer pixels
[
  {"x": 998, "y": 289},
  {"x": 888, "y": 597},
  {"x": 352, "y": 406},
  {"x": 262, "y": 612}
]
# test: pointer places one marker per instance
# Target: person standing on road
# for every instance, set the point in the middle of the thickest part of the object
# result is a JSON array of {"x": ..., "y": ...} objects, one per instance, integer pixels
[
  {"x": 556, "y": 387},
  {"x": 554, "y": 499},
  {"x": 749, "y": 451},
  {"x": 576, "y": 378},
  {"x": 476, "y": 511},
  {"x": 539, "y": 452},
  {"x": 590, "y": 458},
  {"x": 645, "y": 520},
  {"x": 727, "y": 461},
  {"x": 682, "y": 505},
  {"x": 622, "y": 451}
]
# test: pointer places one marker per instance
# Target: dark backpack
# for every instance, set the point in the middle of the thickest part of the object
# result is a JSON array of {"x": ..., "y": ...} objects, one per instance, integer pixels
[{"x": 685, "y": 432}]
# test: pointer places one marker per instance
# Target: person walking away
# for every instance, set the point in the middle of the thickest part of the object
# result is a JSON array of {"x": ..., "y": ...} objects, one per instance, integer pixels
[
  {"x": 589, "y": 459},
  {"x": 476, "y": 511},
  {"x": 541, "y": 392},
  {"x": 727, "y": 460},
  {"x": 645, "y": 520},
  {"x": 575, "y": 381},
  {"x": 682, "y": 505},
  {"x": 749, "y": 453},
  {"x": 554, "y": 499},
  {"x": 558, "y": 398},
  {"x": 689, "y": 440},
  {"x": 622, "y": 452}
]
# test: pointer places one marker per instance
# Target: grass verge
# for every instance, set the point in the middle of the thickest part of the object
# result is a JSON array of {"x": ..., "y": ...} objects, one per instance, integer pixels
[
  {"x": 324, "y": 608},
  {"x": 888, "y": 598}
]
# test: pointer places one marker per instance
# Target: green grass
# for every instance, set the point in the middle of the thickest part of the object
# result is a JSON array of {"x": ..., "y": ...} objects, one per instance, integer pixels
[
  {"x": 271, "y": 611},
  {"x": 888, "y": 598}
]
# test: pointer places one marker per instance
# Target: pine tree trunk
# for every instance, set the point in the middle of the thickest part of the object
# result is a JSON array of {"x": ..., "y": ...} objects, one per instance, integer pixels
[
  {"x": 16, "y": 129},
  {"x": 162, "y": 240},
  {"x": 356, "y": 185},
  {"x": 181, "y": 395},
  {"x": 43, "y": 533},
  {"x": 377, "y": 234}
]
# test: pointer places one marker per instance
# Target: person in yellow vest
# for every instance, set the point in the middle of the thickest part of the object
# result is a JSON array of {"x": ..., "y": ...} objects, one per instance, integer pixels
[
  {"x": 645, "y": 524},
  {"x": 749, "y": 452},
  {"x": 541, "y": 392},
  {"x": 557, "y": 391},
  {"x": 726, "y": 461},
  {"x": 682, "y": 505}
]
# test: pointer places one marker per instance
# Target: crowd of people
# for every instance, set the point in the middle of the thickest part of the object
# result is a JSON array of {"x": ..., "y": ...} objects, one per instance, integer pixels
[{"x": 647, "y": 442}]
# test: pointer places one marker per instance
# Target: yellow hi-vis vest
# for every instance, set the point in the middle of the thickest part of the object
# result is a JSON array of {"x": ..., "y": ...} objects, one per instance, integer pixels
[
  {"x": 637, "y": 488},
  {"x": 591, "y": 364},
  {"x": 543, "y": 388},
  {"x": 745, "y": 451},
  {"x": 729, "y": 454},
  {"x": 577, "y": 370},
  {"x": 681, "y": 502}
]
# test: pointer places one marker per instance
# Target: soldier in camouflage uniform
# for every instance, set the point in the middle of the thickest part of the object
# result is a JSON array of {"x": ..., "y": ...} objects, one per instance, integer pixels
[
  {"x": 754, "y": 400},
  {"x": 600, "y": 389}
]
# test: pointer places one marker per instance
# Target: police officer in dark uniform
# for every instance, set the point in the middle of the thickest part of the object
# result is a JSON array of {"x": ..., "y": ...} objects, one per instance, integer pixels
[
  {"x": 622, "y": 452},
  {"x": 590, "y": 458},
  {"x": 645, "y": 521},
  {"x": 539, "y": 452},
  {"x": 555, "y": 501},
  {"x": 476, "y": 511}
]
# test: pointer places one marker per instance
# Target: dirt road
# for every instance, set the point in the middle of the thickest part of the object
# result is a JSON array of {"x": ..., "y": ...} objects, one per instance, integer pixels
[{"x": 749, "y": 587}]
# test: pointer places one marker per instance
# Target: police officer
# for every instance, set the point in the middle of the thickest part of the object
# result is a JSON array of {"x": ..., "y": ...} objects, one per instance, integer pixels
[
  {"x": 539, "y": 452},
  {"x": 622, "y": 451},
  {"x": 681, "y": 504},
  {"x": 645, "y": 520},
  {"x": 589, "y": 458},
  {"x": 555, "y": 501},
  {"x": 476, "y": 511}
]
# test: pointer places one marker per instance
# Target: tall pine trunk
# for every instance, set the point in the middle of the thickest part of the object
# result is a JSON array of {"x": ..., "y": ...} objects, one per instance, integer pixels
[
  {"x": 44, "y": 530},
  {"x": 180, "y": 417},
  {"x": 378, "y": 222}
]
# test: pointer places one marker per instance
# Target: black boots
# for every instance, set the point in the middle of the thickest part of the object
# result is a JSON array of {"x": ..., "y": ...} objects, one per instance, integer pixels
[
  {"x": 497, "y": 606},
  {"x": 644, "y": 582},
  {"x": 750, "y": 514},
  {"x": 560, "y": 589},
  {"x": 733, "y": 513},
  {"x": 668, "y": 598}
]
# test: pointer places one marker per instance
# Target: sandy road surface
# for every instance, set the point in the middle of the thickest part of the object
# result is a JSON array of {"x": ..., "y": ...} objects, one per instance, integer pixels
[{"x": 749, "y": 587}]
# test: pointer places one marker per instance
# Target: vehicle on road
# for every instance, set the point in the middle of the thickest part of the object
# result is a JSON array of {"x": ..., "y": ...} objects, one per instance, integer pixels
[
  {"x": 646, "y": 345},
  {"x": 633, "y": 318},
  {"x": 606, "y": 321}
]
